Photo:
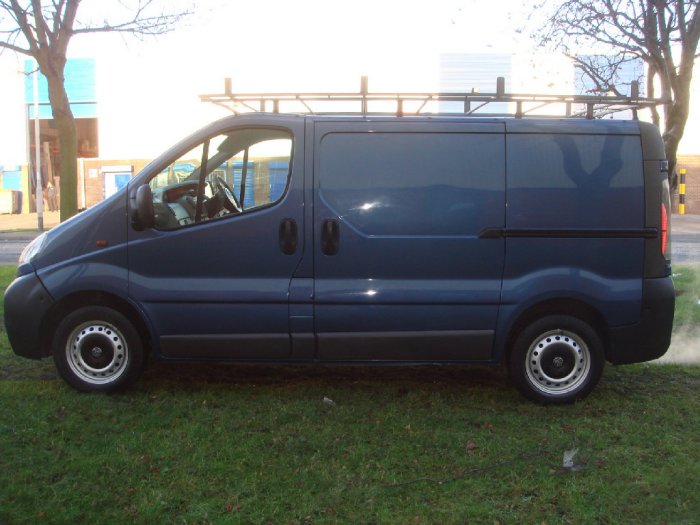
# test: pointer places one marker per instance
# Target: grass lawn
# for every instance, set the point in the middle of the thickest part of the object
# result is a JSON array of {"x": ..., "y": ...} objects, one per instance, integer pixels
[
  {"x": 239, "y": 444},
  {"x": 685, "y": 345}
]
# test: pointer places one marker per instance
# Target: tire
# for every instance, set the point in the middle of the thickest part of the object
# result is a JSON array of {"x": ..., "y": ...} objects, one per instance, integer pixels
[
  {"x": 557, "y": 360},
  {"x": 97, "y": 349}
]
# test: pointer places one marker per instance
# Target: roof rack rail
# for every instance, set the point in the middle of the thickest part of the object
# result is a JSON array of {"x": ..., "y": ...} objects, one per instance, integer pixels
[{"x": 470, "y": 103}]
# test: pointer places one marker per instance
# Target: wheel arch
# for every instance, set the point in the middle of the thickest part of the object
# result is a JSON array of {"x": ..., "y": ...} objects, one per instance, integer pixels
[
  {"x": 561, "y": 306},
  {"x": 76, "y": 300}
]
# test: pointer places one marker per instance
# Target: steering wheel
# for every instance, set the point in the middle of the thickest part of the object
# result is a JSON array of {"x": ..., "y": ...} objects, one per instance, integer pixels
[{"x": 230, "y": 200}]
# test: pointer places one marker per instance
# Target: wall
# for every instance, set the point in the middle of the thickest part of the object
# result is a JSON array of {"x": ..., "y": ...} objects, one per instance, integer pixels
[{"x": 94, "y": 174}]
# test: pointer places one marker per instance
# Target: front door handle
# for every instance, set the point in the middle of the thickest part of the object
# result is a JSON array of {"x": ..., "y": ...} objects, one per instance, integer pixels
[
  {"x": 330, "y": 237},
  {"x": 288, "y": 236}
]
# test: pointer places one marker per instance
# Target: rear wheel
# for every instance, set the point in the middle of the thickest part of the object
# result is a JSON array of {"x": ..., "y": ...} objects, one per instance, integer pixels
[
  {"x": 557, "y": 359},
  {"x": 97, "y": 349}
]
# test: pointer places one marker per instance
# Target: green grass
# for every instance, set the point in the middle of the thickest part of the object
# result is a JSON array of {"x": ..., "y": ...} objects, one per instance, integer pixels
[
  {"x": 20, "y": 230},
  {"x": 685, "y": 343},
  {"x": 686, "y": 279},
  {"x": 239, "y": 444}
]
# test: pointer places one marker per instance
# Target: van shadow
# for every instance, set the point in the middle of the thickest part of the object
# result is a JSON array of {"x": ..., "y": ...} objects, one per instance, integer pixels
[{"x": 195, "y": 375}]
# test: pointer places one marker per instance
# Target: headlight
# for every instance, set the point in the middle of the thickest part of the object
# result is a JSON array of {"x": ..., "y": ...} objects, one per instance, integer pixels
[{"x": 32, "y": 249}]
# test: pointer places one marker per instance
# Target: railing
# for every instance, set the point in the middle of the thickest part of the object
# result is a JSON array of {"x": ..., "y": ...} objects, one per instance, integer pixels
[{"x": 470, "y": 103}]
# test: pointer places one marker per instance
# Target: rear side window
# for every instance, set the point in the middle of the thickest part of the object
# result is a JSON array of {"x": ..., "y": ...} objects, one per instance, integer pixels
[
  {"x": 561, "y": 181},
  {"x": 408, "y": 184}
]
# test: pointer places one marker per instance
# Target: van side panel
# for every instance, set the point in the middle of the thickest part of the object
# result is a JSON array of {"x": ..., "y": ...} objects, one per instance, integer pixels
[
  {"x": 410, "y": 279},
  {"x": 575, "y": 228}
]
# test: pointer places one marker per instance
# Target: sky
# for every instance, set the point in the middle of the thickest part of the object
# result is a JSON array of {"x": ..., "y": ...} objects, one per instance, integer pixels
[
  {"x": 312, "y": 44},
  {"x": 274, "y": 45}
]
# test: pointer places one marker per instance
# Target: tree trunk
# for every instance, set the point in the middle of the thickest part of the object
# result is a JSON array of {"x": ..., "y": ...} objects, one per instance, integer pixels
[
  {"x": 675, "y": 118},
  {"x": 68, "y": 142}
]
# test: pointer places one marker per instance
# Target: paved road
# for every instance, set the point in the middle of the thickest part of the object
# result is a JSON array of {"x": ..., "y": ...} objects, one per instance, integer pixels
[
  {"x": 685, "y": 241},
  {"x": 685, "y": 248},
  {"x": 12, "y": 244}
]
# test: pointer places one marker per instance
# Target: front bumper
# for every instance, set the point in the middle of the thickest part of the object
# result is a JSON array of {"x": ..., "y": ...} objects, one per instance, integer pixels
[
  {"x": 27, "y": 303},
  {"x": 651, "y": 336}
]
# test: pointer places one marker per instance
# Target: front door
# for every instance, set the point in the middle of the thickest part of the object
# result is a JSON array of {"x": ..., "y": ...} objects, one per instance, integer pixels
[
  {"x": 401, "y": 271},
  {"x": 213, "y": 275}
]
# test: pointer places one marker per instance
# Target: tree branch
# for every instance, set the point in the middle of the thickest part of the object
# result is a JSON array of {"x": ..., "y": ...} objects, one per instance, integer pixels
[
  {"x": 20, "y": 16},
  {"x": 604, "y": 71},
  {"x": 16, "y": 49},
  {"x": 140, "y": 24},
  {"x": 65, "y": 25},
  {"x": 42, "y": 29},
  {"x": 156, "y": 25},
  {"x": 58, "y": 14},
  {"x": 650, "y": 93}
]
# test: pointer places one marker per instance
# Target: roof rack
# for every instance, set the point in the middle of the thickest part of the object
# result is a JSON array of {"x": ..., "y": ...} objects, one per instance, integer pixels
[{"x": 470, "y": 103}]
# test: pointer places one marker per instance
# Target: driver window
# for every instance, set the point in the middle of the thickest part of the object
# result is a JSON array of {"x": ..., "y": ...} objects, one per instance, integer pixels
[{"x": 229, "y": 174}]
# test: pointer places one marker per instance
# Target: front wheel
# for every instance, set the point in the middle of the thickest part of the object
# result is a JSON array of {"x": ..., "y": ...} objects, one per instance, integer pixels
[
  {"x": 97, "y": 349},
  {"x": 556, "y": 360}
]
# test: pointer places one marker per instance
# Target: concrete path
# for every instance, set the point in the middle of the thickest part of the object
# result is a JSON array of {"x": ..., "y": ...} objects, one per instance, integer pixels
[
  {"x": 16, "y": 231},
  {"x": 27, "y": 221}
]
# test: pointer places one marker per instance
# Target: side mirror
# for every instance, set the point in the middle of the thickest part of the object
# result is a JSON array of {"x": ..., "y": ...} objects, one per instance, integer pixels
[{"x": 145, "y": 215}]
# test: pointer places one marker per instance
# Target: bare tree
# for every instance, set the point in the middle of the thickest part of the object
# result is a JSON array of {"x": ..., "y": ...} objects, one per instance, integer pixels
[
  {"x": 602, "y": 36},
  {"x": 43, "y": 29}
]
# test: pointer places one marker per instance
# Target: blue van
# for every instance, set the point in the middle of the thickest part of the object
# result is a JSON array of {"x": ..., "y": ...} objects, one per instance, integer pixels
[{"x": 538, "y": 243}]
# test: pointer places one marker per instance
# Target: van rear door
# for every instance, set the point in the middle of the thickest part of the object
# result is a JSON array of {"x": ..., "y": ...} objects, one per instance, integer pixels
[{"x": 401, "y": 272}]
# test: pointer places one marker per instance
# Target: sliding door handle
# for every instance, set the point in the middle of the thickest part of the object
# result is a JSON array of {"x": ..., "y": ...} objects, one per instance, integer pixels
[
  {"x": 288, "y": 236},
  {"x": 330, "y": 237}
]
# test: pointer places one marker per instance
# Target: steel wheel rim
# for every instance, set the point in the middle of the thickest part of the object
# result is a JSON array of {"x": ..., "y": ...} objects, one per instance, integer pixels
[
  {"x": 558, "y": 362},
  {"x": 97, "y": 353}
]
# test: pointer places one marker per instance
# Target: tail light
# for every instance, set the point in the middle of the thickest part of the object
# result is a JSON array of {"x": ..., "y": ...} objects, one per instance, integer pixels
[{"x": 664, "y": 228}]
